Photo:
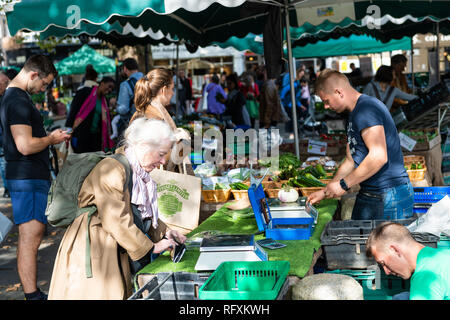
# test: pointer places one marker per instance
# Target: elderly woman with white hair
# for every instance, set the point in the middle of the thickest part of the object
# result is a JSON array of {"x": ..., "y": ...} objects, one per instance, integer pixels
[{"x": 125, "y": 231}]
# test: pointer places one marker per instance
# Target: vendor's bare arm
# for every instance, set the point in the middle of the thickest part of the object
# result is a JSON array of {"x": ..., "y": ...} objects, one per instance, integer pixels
[
  {"x": 375, "y": 141},
  {"x": 346, "y": 167}
]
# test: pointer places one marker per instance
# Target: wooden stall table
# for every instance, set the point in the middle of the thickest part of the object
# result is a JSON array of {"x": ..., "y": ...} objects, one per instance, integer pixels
[{"x": 302, "y": 254}]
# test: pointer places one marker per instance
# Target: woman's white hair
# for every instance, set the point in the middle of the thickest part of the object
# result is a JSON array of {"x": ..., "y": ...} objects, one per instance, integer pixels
[{"x": 150, "y": 132}]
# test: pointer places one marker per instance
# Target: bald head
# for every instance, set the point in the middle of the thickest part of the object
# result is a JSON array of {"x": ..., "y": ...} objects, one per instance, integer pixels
[
  {"x": 386, "y": 234},
  {"x": 330, "y": 79}
]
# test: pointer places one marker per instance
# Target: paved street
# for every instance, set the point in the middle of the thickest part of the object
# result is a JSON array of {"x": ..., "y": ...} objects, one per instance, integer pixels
[{"x": 10, "y": 287}]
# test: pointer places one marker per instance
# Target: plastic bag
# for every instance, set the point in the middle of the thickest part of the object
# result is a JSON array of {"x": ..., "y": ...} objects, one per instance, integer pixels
[
  {"x": 435, "y": 221},
  {"x": 205, "y": 170},
  {"x": 5, "y": 227}
]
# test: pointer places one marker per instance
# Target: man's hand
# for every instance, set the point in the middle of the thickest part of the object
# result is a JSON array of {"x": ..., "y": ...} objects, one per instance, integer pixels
[
  {"x": 58, "y": 136},
  {"x": 316, "y": 197},
  {"x": 334, "y": 190}
]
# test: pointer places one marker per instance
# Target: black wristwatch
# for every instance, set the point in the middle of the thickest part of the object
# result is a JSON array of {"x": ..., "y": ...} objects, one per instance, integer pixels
[{"x": 344, "y": 185}]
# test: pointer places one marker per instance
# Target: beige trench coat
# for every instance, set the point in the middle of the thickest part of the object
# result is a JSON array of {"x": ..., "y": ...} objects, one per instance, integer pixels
[{"x": 112, "y": 225}]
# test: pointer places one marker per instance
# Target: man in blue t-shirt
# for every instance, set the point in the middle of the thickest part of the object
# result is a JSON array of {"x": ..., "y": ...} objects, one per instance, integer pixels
[{"x": 374, "y": 158}]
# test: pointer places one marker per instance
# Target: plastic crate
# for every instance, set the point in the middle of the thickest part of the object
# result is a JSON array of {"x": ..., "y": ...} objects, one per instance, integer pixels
[
  {"x": 426, "y": 196},
  {"x": 246, "y": 280},
  {"x": 344, "y": 242},
  {"x": 444, "y": 242},
  {"x": 170, "y": 286}
]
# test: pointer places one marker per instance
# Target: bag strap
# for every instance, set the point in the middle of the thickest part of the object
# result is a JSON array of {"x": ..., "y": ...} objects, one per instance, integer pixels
[
  {"x": 375, "y": 89},
  {"x": 92, "y": 209},
  {"x": 389, "y": 93}
]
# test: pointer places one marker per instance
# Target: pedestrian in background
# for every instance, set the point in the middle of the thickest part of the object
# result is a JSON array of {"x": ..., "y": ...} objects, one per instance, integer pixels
[{"x": 214, "y": 89}]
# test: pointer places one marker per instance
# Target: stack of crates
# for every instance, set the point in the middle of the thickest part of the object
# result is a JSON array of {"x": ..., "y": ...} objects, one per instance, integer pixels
[
  {"x": 344, "y": 247},
  {"x": 424, "y": 199}
]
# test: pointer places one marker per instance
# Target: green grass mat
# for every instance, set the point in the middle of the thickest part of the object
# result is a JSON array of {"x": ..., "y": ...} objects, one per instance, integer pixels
[{"x": 298, "y": 252}]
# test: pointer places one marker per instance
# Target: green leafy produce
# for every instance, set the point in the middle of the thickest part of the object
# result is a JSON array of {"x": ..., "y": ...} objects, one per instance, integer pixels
[
  {"x": 238, "y": 186},
  {"x": 287, "y": 160},
  {"x": 220, "y": 186},
  {"x": 288, "y": 173}
]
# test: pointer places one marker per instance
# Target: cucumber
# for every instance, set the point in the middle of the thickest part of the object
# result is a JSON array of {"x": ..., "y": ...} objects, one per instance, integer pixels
[
  {"x": 309, "y": 182},
  {"x": 321, "y": 170}
]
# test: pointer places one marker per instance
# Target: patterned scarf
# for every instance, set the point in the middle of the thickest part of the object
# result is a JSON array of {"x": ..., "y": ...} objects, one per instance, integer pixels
[{"x": 144, "y": 190}]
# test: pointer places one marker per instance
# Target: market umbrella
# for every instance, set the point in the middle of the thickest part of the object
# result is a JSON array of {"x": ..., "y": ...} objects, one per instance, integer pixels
[
  {"x": 343, "y": 46},
  {"x": 203, "y": 22},
  {"x": 76, "y": 63},
  {"x": 114, "y": 34}
]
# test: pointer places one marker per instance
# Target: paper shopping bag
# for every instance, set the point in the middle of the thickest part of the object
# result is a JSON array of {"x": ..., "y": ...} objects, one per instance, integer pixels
[{"x": 179, "y": 197}]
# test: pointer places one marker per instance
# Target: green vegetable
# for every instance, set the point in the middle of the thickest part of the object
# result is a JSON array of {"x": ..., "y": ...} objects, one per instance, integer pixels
[
  {"x": 313, "y": 171},
  {"x": 289, "y": 159},
  {"x": 321, "y": 170},
  {"x": 238, "y": 186},
  {"x": 220, "y": 186},
  {"x": 306, "y": 181}
]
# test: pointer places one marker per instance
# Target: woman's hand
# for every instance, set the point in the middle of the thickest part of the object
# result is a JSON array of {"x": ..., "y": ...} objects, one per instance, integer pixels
[
  {"x": 163, "y": 245},
  {"x": 176, "y": 236}
]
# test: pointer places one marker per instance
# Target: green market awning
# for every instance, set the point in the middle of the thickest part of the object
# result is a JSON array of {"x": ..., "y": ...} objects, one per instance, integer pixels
[
  {"x": 111, "y": 33},
  {"x": 353, "y": 45},
  {"x": 76, "y": 63},
  {"x": 201, "y": 22},
  {"x": 343, "y": 46}
]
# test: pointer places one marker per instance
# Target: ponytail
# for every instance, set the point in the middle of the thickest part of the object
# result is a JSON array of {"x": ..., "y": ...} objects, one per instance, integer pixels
[{"x": 148, "y": 87}]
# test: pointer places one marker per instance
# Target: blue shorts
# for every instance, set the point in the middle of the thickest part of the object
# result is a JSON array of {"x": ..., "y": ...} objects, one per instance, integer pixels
[{"x": 28, "y": 199}]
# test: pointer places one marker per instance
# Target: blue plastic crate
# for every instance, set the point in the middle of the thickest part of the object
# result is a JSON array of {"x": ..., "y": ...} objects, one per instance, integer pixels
[{"x": 428, "y": 195}]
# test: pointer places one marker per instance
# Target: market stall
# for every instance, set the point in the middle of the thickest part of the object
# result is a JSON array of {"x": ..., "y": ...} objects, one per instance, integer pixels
[{"x": 300, "y": 253}]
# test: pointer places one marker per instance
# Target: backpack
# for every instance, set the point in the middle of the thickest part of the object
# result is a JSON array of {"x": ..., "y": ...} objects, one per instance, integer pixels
[{"x": 62, "y": 202}]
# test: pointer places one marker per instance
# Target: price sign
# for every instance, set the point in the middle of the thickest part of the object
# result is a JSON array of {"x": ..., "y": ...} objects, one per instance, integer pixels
[
  {"x": 317, "y": 147},
  {"x": 406, "y": 142}
]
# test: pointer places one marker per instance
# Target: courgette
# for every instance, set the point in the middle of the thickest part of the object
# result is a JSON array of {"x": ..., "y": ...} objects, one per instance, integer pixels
[{"x": 309, "y": 182}]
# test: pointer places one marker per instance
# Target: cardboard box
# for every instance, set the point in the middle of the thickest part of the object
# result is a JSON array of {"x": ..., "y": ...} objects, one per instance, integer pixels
[{"x": 423, "y": 141}]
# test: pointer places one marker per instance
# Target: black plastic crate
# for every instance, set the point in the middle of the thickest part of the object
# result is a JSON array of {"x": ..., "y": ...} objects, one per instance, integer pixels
[
  {"x": 344, "y": 248},
  {"x": 415, "y": 108},
  {"x": 170, "y": 286},
  {"x": 350, "y": 227}
]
